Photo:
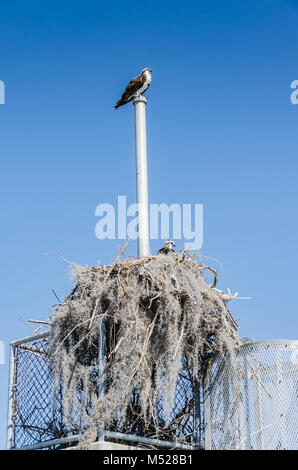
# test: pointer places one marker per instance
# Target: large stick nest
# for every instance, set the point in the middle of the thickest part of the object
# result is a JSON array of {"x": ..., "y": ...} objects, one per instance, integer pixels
[{"x": 162, "y": 323}]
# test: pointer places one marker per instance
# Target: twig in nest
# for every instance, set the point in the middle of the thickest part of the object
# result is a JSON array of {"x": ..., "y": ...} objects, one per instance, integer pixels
[
  {"x": 93, "y": 313},
  {"x": 214, "y": 272},
  {"x": 229, "y": 295},
  {"x": 115, "y": 349},
  {"x": 40, "y": 326},
  {"x": 50, "y": 317},
  {"x": 61, "y": 257},
  {"x": 40, "y": 321},
  {"x": 56, "y": 296}
]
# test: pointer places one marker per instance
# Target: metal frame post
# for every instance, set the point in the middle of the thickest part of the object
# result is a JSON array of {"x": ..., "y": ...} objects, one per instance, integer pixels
[
  {"x": 207, "y": 412},
  {"x": 101, "y": 367},
  {"x": 11, "y": 397},
  {"x": 237, "y": 407},
  {"x": 257, "y": 392},
  {"x": 281, "y": 400},
  {"x": 226, "y": 392},
  {"x": 142, "y": 176},
  {"x": 197, "y": 413},
  {"x": 247, "y": 406}
]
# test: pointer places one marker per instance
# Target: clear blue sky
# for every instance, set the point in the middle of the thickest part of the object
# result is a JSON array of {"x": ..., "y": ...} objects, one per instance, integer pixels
[{"x": 221, "y": 131}]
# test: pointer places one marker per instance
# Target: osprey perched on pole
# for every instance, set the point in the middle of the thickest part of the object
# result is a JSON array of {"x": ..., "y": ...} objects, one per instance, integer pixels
[{"x": 136, "y": 87}]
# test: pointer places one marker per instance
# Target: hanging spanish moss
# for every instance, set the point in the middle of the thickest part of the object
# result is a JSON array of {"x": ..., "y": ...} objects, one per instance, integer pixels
[{"x": 162, "y": 323}]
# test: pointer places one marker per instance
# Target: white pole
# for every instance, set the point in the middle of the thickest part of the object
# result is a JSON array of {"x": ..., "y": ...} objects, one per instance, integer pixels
[{"x": 142, "y": 178}]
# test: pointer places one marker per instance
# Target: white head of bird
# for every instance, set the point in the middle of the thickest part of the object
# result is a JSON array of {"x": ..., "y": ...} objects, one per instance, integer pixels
[
  {"x": 147, "y": 72},
  {"x": 169, "y": 244}
]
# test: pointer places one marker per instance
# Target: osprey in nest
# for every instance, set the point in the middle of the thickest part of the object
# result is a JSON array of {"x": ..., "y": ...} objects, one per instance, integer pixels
[
  {"x": 136, "y": 87},
  {"x": 168, "y": 248}
]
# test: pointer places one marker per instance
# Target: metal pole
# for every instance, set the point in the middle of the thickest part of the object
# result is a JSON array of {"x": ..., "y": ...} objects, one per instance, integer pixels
[
  {"x": 247, "y": 402},
  {"x": 142, "y": 178},
  {"x": 197, "y": 413},
  {"x": 281, "y": 400},
  {"x": 226, "y": 391},
  {"x": 101, "y": 366},
  {"x": 110, "y": 434},
  {"x": 28, "y": 339},
  {"x": 148, "y": 440},
  {"x": 207, "y": 413},
  {"x": 257, "y": 391},
  {"x": 11, "y": 397}
]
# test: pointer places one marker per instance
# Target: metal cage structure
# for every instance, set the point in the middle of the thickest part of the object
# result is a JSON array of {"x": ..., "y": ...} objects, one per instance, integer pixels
[
  {"x": 35, "y": 411},
  {"x": 248, "y": 403},
  {"x": 253, "y": 405}
]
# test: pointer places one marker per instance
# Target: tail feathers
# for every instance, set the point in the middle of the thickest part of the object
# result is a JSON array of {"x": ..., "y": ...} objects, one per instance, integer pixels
[
  {"x": 119, "y": 103},
  {"x": 123, "y": 101}
]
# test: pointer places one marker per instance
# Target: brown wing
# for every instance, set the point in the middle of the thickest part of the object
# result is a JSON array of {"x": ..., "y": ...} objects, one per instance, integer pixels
[{"x": 131, "y": 88}]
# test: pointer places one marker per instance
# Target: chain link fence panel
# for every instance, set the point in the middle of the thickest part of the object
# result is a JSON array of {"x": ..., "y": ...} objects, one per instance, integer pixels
[
  {"x": 35, "y": 414},
  {"x": 252, "y": 403}
]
